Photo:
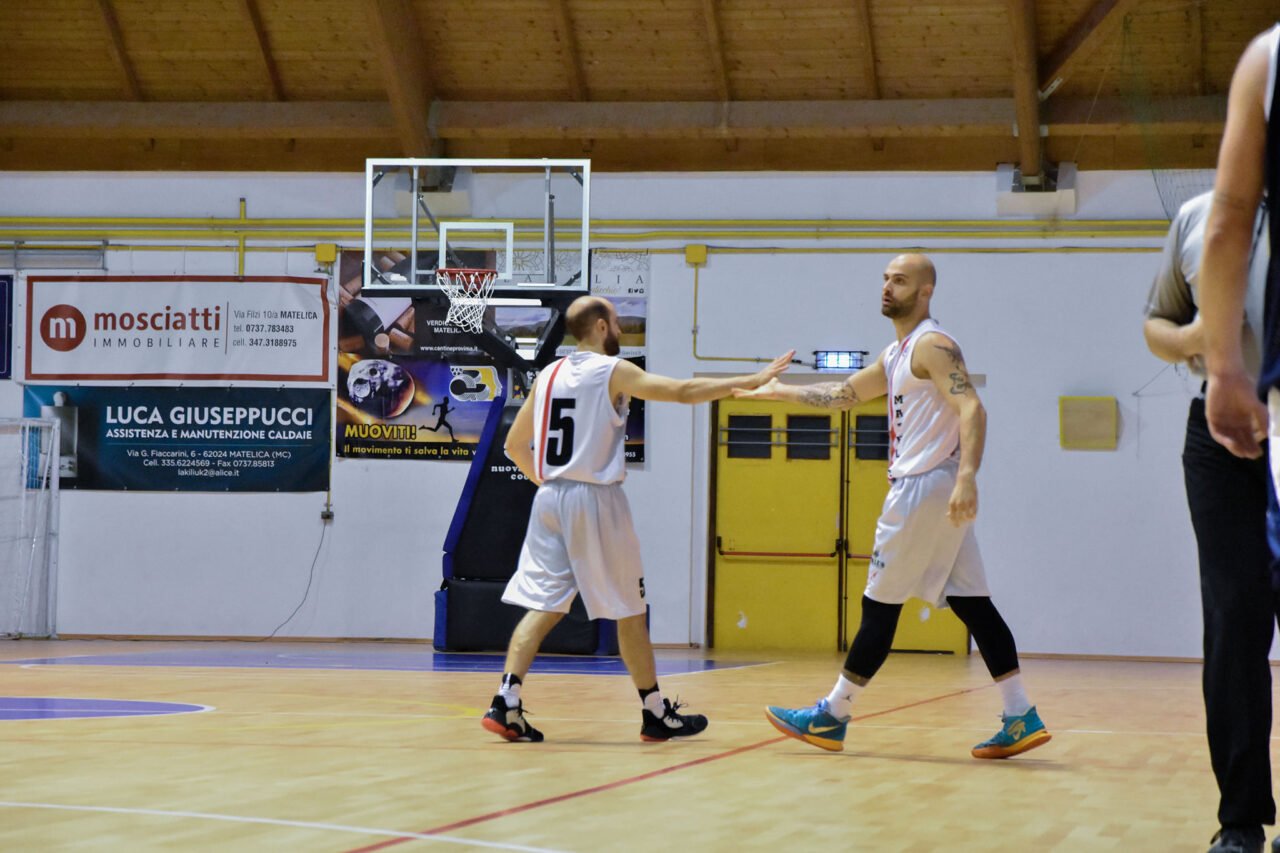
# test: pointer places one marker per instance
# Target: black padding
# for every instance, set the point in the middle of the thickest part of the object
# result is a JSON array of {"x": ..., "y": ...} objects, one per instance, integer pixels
[
  {"x": 488, "y": 545},
  {"x": 476, "y": 620}
]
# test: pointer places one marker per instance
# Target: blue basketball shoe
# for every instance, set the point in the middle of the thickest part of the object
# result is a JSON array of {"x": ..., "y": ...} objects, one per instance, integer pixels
[
  {"x": 813, "y": 725},
  {"x": 1018, "y": 734}
]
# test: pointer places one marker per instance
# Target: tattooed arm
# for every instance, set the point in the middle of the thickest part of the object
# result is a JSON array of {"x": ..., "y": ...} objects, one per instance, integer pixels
[
  {"x": 867, "y": 384},
  {"x": 938, "y": 358}
]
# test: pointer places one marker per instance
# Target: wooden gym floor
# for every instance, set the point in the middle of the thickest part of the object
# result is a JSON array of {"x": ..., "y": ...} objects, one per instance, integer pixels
[{"x": 378, "y": 746}]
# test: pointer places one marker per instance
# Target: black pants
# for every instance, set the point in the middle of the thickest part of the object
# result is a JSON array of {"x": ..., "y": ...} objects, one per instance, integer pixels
[{"x": 1227, "y": 497}]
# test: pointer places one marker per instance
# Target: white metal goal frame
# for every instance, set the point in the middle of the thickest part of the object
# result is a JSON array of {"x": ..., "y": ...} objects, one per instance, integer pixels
[{"x": 29, "y": 498}]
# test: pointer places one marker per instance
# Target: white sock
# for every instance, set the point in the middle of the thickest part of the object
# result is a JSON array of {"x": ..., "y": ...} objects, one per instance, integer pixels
[
  {"x": 510, "y": 691},
  {"x": 840, "y": 699},
  {"x": 1014, "y": 695},
  {"x": 653, "y": 704}
]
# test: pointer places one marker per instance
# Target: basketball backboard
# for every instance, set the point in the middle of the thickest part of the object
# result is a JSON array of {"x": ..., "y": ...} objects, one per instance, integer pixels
[{"x": 529, "y": 219}]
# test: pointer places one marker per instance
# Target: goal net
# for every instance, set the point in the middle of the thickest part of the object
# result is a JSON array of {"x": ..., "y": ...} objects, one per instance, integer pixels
[
  {"x": 1145, "y": 79},
  {"x": 28, "y": 525}
]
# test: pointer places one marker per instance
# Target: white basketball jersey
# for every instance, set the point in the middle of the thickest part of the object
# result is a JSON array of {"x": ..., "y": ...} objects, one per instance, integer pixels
[
  {"x": 924, "y": 431},
  {"x": 578, "y": 433}
]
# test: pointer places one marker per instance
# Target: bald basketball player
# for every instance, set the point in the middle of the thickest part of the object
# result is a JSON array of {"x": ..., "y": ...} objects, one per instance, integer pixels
[
  {"x": 568, "y": 439},
  {"x": 924, "y": 545}
]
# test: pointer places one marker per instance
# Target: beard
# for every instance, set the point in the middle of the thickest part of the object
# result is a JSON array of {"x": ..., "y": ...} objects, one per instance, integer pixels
[
  {"x": 894, "y": 310},
  {"x": 611, "y": 345}
]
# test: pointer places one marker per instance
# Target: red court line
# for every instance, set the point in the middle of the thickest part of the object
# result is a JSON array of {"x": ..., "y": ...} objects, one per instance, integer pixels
[{"x": 471, "y": 821}]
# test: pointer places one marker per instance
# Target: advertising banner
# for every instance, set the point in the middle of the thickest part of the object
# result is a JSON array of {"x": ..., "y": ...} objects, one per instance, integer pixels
[
  {"x": 411, "y": 385},
  {"x": 164, "y": 328},
  {"x": 188, "y": 439}
]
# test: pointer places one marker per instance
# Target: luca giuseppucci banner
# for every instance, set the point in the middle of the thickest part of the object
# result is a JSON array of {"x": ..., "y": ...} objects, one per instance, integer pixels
[
  {"x": 188, "y": 439},
  {"x": 188, "y": 328}
]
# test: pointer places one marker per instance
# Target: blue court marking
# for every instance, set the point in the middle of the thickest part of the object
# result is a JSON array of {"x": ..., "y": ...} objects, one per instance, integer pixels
[
  {"x": 51, "y": 708},
  {"x": 363, "y": 660}
]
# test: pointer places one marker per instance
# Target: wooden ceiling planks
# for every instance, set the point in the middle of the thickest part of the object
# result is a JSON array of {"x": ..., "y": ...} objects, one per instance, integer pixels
[
  {"x": 322, "y": 49},
  {"x": 618, "y": 51},
  {"x": 38, "y": 39}
]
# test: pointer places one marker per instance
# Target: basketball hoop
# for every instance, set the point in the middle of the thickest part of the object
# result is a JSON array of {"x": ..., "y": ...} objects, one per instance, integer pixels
[{"x": 468, "y": 291}]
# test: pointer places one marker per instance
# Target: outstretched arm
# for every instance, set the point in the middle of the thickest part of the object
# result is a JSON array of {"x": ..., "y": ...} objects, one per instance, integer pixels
[
  {"x": 867, "y": 384},
  {"x": 940, "y": 359},
  {"x": 519, "y": 443},
  {"x": 1236, "y": 418},
  {"x": 632, "y": 381}
]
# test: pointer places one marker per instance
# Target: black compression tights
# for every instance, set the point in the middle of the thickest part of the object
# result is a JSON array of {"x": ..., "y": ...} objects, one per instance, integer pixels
[
  {"x": 992, "y": 635},
  {"x": 874, "y": 638},
  {"x": 871, "y": 644}
]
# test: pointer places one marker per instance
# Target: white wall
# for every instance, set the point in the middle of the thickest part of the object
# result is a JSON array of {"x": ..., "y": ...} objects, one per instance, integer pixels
[{"x": 1087, "y": 552}]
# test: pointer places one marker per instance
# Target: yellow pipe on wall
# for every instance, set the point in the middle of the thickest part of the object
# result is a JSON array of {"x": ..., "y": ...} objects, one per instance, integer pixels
[{"x": 240, "y": 243}]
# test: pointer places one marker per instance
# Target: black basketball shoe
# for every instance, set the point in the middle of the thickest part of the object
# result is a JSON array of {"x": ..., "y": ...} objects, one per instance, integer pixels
[
  {"x": 1237, "y": 839},
  {"x": 670, "y": 724},
  {"x": 502, "y": 719}
]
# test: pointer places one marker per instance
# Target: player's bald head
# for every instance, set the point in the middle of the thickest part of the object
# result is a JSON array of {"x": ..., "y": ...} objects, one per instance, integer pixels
[
  {"x": 917, "y": 267},
  {"x": 583, "y": 313}
]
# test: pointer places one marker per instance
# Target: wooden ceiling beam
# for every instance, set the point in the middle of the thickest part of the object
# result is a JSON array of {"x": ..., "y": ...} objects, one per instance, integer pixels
[
  {"x": 715, "y": 49},
  {"x": 574, "y": 120},
  {"x": 1093, "y": 28},
  {"x": 821, "y": 119},
  {"x": 572, "y": 55},
  {"x": 1190, "y": 115},
  {"x": 197, "y": 120},
  {"x": 956, "y": 154},
  {"x": 275, "y": 84},
  {"x": 1026, "y": 92},
  {"x": 867, "y": 38},
  {"x": 115, "y": 46},
  {"x": 395, "y": 39}
]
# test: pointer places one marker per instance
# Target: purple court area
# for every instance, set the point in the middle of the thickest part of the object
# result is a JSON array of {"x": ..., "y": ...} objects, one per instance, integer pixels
[
  {"x": 366, "y": 660},
  {"x": 50, "y": 708}
]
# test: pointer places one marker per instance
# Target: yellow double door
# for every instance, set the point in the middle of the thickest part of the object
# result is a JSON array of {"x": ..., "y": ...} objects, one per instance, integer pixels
[{"x": 797, "y": 494}]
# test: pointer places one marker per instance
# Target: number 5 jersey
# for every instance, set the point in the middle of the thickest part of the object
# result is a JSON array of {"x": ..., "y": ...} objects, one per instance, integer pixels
[{"x": 578, "y": 430}]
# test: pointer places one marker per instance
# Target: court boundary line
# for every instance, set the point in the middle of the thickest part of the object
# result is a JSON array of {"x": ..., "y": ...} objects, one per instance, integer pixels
[
  {"x": 652, "y": 774},
  {"x": 53, "y": 663},
  {"x": 293, "y": 824},
  {"x": 200, "y": 707}
]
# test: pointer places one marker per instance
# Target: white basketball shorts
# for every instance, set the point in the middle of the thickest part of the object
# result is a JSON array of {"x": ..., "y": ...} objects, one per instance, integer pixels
[
  {"x": 580, "y": 540},
  {"x": 918, "y": 551}
]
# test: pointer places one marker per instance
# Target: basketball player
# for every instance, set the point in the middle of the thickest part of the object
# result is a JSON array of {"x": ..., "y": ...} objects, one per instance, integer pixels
[
  {"x": 568, "y": 439},
  {"x": 924, "y": 543},
  {"x": 1227, "y": 497},
  {"x": 1248, "y": 163}
]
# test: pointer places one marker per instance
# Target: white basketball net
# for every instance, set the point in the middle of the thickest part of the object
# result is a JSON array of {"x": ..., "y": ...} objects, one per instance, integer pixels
[{"x": 468, "y": 292}]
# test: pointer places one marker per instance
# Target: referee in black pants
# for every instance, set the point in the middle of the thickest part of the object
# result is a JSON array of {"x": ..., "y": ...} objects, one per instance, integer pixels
[{"x": 1227, "y": 496}]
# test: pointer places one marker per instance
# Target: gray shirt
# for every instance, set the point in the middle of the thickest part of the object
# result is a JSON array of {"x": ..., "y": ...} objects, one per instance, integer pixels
[{"x": 1174, "y": 293}]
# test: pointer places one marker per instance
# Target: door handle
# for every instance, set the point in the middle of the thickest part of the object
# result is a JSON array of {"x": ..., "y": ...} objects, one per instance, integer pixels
[{"x": 812, "y": 555}]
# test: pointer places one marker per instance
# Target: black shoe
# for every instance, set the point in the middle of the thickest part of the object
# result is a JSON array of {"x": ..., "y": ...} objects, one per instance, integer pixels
[
  {"x": 670, "y": 724},
  {"x": 1236, "y": 839},
  {"x": 1275, "y": 845},
  {"x": 502, "y": 719}
]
